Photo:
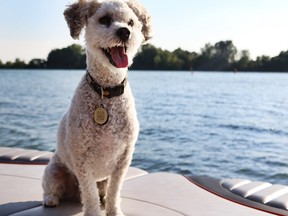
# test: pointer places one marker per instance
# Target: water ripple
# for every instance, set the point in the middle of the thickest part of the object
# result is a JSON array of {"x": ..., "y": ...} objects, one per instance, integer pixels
[{"x": 216, "y": 124}]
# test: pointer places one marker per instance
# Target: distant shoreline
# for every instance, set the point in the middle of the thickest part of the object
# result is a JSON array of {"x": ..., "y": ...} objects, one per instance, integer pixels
[
  {"x": 223, "y": 56},
  {"x": 149, "y": 71}
]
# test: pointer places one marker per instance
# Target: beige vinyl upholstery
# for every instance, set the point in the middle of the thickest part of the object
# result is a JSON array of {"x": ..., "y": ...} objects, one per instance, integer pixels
[{"x": 143, "y": 194}]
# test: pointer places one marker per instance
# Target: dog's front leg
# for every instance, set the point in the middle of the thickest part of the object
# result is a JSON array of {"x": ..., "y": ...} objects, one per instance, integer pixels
[
  {"x": 53, "y": 184},
  {"x": 113, "y": 194},
  {"x": 89, "y": 193},
  {"x": 114, "y": 187}
]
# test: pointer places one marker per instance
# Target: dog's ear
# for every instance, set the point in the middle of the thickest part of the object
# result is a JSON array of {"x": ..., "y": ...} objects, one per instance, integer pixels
[
  {"x": 76, "y": 15},
  {"x": 143, "y": 16}
]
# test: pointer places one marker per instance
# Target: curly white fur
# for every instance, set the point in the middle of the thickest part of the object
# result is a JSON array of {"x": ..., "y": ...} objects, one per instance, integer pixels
[{"x": 92, "y": 159}]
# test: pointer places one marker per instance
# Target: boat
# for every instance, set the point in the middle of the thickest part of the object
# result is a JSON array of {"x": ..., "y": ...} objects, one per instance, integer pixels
[{"x": 143, "y": 193}]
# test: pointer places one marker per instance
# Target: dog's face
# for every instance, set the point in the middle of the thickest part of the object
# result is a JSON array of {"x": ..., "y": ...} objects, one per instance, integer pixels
[
  {"x": 115, "y": 29},
  {"x": 113, "y": 34}
]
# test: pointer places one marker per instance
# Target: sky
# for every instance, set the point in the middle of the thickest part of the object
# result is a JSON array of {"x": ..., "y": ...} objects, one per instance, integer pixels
[{"x": 32, "y": 28}]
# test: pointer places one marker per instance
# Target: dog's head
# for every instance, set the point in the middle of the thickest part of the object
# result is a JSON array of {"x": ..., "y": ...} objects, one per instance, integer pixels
[{"x": 115, "y": 29}]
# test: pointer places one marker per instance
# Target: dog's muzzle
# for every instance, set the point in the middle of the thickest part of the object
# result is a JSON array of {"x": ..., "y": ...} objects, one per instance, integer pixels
[{"x": 117, "y": 55}]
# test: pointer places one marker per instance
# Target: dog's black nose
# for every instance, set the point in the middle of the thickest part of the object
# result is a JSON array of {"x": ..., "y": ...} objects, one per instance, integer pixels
[{"x": 123, "y": 34}]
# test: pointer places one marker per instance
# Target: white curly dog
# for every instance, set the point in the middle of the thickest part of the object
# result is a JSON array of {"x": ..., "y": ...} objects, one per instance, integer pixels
[{"x": 96, "y": 137}]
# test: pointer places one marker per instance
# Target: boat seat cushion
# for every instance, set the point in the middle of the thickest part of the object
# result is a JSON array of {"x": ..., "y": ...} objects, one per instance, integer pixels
[
  {"x": 24, "y": 156},
  {"x": 262, "y": 192}
]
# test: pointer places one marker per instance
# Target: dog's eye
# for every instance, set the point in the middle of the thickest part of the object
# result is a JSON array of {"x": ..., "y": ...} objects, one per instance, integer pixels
[
  {"x": 131, "y": 23},
  {"x": 106, "y": 20}
]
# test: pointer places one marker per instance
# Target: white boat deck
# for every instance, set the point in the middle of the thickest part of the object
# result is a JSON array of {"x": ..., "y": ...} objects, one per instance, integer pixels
[{"x": 143, "y": 194}]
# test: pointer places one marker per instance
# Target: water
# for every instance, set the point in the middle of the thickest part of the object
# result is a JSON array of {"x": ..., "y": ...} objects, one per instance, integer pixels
[{"x": 222, "y": 125}]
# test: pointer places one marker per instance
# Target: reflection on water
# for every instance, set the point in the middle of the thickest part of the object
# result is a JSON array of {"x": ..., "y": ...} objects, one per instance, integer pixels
[{"x": 215, "y": 124}]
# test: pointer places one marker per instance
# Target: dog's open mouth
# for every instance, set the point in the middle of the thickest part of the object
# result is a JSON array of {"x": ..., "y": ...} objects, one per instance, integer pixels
[{"x": 117, "y": 56}]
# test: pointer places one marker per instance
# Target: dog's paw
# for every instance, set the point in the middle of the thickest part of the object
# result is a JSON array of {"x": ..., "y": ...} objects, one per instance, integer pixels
[
  {"x": 102, "y": 203},
  {"x": 50, "y": 201},
  {"x": 92, "y": 214},
  {"x": 115, "y": 213}
]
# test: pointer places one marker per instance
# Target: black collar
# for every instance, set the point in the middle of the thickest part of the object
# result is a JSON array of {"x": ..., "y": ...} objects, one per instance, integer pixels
[{"x": 108, "y": 92}]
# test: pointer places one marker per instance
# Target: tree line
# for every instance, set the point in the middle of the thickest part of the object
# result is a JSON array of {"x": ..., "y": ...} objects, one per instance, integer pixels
[{"x": 222, "y": 56}]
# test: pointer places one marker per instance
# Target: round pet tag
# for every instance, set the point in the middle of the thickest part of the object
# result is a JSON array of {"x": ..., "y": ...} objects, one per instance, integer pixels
[{"x": 101, "y": 116}]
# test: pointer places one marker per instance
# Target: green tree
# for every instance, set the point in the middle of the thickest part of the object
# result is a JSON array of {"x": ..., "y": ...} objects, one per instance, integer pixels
[
  {"x": 244, "y": 63},
  {"x": 186, "y": 57},
  {"x": 152, "y": 58},
  {"x": 145, "y": 59},
  {"x": 261, "y": 63},
  {"x": 37, "y": 63},
  {"x": 70, "y": 57},
  {"x": 9, "y": 64},
  {"x": 218, "y": 57},
  {"x": 279, "y": 63},
  {"x": 225, "y": 54},
  {"x": 18, "y": 64},
  {"x": 166, "y": 60},
  {"x": 205, "y": 58}
]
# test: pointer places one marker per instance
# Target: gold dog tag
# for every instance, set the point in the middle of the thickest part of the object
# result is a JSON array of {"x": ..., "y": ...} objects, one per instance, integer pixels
[{"x": 101, "y": 116}]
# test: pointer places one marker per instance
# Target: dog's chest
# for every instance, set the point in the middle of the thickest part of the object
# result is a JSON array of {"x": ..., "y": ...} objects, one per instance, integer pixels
[
  {"x": 122, "y": 125},
  {"x": 110, "y": 141}
]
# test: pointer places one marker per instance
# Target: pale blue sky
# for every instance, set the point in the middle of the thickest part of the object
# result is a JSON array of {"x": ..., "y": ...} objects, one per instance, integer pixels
[{"x": 32, "y": 28}]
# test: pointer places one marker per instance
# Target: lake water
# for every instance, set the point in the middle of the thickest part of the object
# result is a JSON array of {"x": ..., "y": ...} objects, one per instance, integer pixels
[{"x": 222, "y": 125}]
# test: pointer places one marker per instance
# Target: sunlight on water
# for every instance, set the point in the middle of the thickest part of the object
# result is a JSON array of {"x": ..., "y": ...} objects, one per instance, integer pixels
[{"x": 215, "y": 124}]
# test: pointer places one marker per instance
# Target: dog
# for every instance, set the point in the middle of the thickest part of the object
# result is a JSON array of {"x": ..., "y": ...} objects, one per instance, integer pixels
[{"x": 97, "y": 135}]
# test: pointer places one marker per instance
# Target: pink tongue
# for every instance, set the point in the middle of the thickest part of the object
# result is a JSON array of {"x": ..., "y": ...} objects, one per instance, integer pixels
[{"x": 119, "y": 57}]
